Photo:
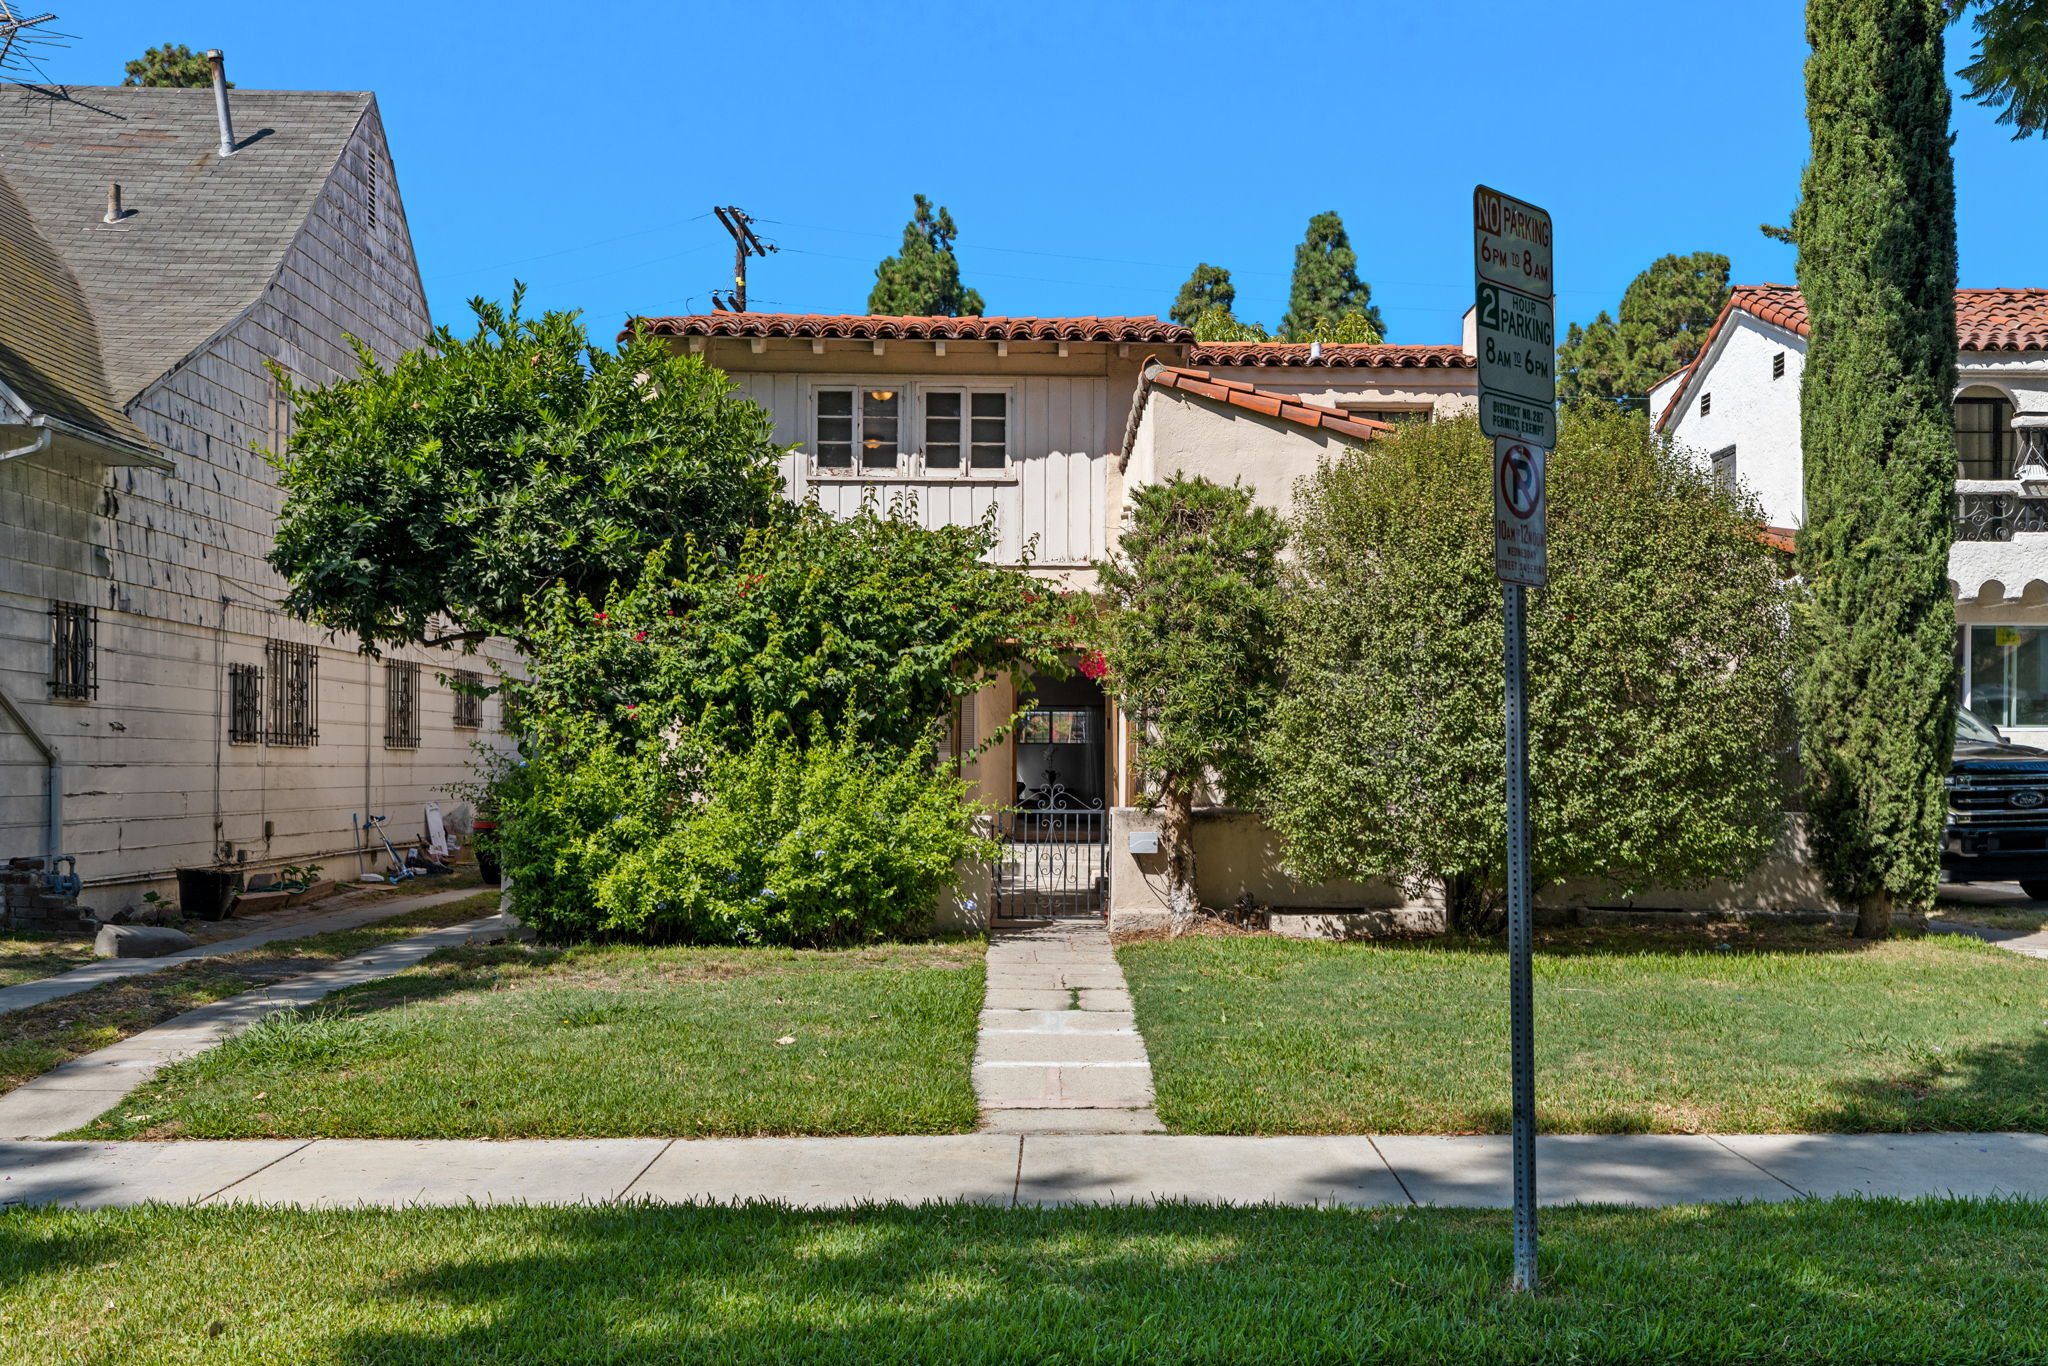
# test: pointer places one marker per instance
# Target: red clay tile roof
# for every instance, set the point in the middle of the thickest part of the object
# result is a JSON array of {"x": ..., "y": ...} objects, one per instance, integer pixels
[
  {"x": 1779, "y": 538},
  {"x": 868, "y": 326},
  {"x": 1239, "y": 395},
  {"x": 1986, "y": 320},
  {"x": 1297, "y": 353}
]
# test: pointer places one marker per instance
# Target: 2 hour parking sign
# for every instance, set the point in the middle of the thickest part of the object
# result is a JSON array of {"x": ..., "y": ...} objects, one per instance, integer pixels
[{"x": 1517, "y": 322}]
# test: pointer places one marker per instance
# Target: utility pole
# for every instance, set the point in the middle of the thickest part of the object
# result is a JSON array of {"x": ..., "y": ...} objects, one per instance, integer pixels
[{"x": 744, "y": 244}]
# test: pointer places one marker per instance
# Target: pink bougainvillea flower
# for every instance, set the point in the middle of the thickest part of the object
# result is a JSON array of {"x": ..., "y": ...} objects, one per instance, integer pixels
[{"x": 1094, "y": 665}]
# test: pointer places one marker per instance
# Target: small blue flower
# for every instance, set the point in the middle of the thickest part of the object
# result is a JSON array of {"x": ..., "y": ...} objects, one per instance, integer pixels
[
  {"x": 972, "y": 904},
  {"x": 732, "y": 877}
]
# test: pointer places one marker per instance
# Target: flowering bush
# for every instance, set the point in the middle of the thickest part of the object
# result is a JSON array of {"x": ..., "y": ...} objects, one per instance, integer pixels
[{"x": 829, "y": 843}]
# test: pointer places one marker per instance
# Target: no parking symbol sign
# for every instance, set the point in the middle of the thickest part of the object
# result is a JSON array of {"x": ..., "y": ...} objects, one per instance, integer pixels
[{"x": 1520, "y": 535}]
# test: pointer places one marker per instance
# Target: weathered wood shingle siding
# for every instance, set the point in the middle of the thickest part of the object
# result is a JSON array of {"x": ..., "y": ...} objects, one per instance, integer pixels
[{"x": 175, "y": 565}]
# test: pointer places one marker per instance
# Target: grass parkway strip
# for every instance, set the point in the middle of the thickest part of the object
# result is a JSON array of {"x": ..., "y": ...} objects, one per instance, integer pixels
[
  {"x": 595, "y": 1041},
  {"x": 1718, "y": 1029},
  {"x": 1807, "y": 1281}
]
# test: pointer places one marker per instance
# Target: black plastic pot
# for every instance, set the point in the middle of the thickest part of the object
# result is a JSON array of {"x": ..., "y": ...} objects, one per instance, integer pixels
[{"x": 206, "y": 893}]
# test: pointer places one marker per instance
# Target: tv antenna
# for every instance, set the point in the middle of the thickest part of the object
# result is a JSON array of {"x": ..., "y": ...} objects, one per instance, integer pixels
[
  {"x": 19, "y": 33},
  {"x": 744, "y": 244}
]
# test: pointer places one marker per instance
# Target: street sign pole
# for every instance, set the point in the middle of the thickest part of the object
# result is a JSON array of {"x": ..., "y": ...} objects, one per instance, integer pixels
[
  {"x": 1521, "y": 1005},
  {"x": 1517, "y": 407}
]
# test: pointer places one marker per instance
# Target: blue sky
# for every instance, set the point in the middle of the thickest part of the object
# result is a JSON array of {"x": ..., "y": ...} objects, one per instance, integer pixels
[{"x": 1092, "y": 152}]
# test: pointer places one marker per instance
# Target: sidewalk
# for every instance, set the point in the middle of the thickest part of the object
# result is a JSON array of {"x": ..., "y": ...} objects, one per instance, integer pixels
[
  {"x": 1028, "y": 1169},
  {"x": 25, "y": 994}
]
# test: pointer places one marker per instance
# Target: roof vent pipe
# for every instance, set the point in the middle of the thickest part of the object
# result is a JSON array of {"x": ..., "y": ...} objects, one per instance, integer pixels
[
  {"x": 113, "y": 203},
  {"x": 1315, "y": 352},
  {"x": 216, "y": 60}
]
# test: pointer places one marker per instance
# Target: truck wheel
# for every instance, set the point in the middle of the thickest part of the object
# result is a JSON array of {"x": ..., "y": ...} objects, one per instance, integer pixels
[{"x": 2035, "y": 888}]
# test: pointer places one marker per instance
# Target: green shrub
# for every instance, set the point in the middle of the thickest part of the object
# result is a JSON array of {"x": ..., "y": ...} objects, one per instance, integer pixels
[{"x": 829, "y": 843}]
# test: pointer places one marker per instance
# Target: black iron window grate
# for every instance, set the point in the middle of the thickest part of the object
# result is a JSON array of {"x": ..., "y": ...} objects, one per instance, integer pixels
[
  {"x": 401, "y": 705},
  {"x": 245, "y": 704},
  {"x": 294, "y": 693},
  {"x": 469, "y": 702},
  {"x": 1996, "y": 516},
  {"x": 73, "y": 668}
]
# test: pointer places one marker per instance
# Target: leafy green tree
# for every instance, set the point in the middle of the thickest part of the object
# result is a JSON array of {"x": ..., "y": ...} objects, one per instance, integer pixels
[
  {"x": 869, "y": 626},
  {"x": 1209, "y": 287},
  {"x": 173, "y": 64},
  {"x": 1352, "y": 329},
  {"x": 426, "y": 502},
  {"x": 1659, "y": 662},
  {"x": 2011, "y": 66},
  {"x": 1665, "y": 314},
  {"x": 1214, "y": 324},
  {"x": 1877, "y": 265},
  {"x": 923, "y": 280},
  {"x": 1191, "y": 638},
  {"x": 1326, "y": 284}
]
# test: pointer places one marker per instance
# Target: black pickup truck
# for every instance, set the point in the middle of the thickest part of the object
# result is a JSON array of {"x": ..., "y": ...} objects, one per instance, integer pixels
[{"x": 1997, "y": 810}]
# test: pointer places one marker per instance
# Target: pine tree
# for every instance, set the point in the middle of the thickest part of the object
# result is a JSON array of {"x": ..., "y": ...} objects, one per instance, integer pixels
[
  {"x": 1877, "y": 263},
  {"x": 1326, "y": 284},
  {"x": 924, "y": 279},
  {"x": 1209, "y": 287},
  {"x": 173, "y": 64},
  {"x": 1665, "y": 314}
]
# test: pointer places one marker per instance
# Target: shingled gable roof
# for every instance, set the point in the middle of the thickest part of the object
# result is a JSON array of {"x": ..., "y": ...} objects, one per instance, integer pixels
[
  {"x": 864, "y": 327},
  {"x": 1335, "y": 355},
  {"x": 203, "y": 235},
  {"x": 1986, "y": 320},
  {"x": 1240, "y": 395},
  {"x": 49, "y": 349}
]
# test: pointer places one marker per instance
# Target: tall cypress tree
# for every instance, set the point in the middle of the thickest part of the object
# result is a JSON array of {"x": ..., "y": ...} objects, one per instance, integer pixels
[
  {"x": 1326, "y": 284},
  {"x": 923, "y": 280},
  {"x": 1877, "y": 263}
]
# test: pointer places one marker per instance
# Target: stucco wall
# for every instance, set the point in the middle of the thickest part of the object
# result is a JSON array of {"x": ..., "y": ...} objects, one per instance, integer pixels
[
  {"x": 174, "y": 565},
  {"x": 1184, "y": 434},
  {"x": 1753, "y": 412}
]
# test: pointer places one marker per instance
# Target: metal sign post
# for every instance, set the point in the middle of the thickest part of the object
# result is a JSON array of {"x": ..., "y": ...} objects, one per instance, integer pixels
[{"x": 1517, "y": 407}]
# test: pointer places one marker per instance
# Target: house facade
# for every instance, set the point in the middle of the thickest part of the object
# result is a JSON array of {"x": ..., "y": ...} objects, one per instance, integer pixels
[
  {"x": 1736, "y": 407},
  {"x": 1045, "y": 425},
  {"x": 161, "y": 712}
]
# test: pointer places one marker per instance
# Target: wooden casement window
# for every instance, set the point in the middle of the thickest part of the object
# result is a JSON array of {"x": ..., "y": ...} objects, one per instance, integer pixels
[
  {"x": 973, "y": 424},
  {"x": 469, "y": 703},
  {"x": 74, "y": 651},
  {"x": 1984, "y": 438},
  {"x": 858, "y": 428},
  {"x": 878, "y": 430},
  {"x": 245, "y": 704},
  {"x": 294, "y": 693},
  {"x": 401, "y": 705},
  {"x": 1723, "y": 465}
]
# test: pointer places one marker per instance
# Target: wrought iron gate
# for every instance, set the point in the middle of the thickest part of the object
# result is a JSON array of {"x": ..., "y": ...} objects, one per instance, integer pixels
[{"x": 1053, "y": 864}]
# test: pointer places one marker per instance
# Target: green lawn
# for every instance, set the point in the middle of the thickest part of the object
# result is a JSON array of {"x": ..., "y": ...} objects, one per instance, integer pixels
[
  {"x": 35, "y": 1040},
  {"x": 2027, "y": 919},
  {"x": 31, "y": 955},
  {"x": 1710, "y": 1030},
  {"x": 513, "y": 1041},
  {"x": 1844, "y": 1281}
]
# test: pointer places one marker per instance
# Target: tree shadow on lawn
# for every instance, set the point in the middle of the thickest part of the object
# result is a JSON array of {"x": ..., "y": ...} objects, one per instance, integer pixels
[
  {"x": 30, "y": 1246},
  {"x": 1861, "y": 1280},
  {"x": 1988, "y": 1088},
  {"x": 1671, "y": 941}
]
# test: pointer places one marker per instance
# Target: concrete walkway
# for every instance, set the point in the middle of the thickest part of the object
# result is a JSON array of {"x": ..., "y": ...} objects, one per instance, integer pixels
[
  {"x": 1018, "y": 1169},
  {"x": 25, "y": 994},
  {"x": 80, "y": 1091},
  {"x": 2031, "y": 945},
  {"x": 1058, "y": 1050}
]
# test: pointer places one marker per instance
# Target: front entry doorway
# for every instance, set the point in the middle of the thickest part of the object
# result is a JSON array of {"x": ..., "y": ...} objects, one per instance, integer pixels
[{"x": 1055, "y": 834}]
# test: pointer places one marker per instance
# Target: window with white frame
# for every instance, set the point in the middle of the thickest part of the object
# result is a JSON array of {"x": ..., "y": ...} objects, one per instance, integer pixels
[
  {"x": 2005, "y": 674},
  {"x": 888, "y": 429}
]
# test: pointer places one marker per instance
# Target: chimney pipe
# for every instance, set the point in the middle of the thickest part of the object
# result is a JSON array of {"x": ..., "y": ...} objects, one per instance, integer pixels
[
  {"x": 113, "y": 203},
  {"x": 218, "y": 61}
]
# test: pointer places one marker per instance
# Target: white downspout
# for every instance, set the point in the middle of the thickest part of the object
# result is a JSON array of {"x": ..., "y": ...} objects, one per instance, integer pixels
[
  {"x": 53, "y": 797},
  {"x": 35, "y": 447}
]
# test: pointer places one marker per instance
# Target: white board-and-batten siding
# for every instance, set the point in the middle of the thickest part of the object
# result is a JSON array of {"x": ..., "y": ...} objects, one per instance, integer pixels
[
  {"x": 174, "y": 565},
  {"x": 1049, "y": 502}
]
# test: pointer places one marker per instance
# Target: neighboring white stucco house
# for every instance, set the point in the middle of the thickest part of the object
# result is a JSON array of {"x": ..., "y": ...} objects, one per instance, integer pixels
[
  {"x": 1737, "y": 407},
  {"x": 140, "y": 641}
]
